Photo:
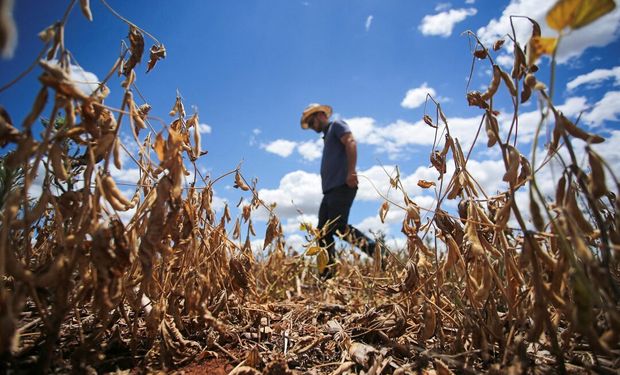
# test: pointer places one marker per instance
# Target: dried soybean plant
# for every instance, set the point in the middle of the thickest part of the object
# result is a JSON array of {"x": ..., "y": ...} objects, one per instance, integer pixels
[
  {"x": 140, "y": 285},
  {"x": 82, "y": 289},
  {"x": 502, "y": 294}
]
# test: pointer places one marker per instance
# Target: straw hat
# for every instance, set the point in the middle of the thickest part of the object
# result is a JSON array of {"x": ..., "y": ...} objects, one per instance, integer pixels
[{"x": 312, "y": 109}]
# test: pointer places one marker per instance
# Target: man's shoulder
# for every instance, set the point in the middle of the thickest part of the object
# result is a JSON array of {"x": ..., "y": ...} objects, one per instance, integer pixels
[
  {"x": 340, "y": 122},
  {"x": 340, "y": 127}
]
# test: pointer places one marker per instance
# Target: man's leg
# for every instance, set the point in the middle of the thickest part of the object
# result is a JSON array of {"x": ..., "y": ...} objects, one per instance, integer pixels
[
  {"x": 343, "y": 200},
  {"x": 327, "y": 240},
  {"x": 333, "y": 214},
  {"x": 335, "y": 208}
]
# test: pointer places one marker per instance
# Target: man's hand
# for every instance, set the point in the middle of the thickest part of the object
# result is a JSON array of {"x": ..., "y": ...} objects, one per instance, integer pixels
[
  {"x": 352, "y": 180},
  {"x": 350, "y": 148}
]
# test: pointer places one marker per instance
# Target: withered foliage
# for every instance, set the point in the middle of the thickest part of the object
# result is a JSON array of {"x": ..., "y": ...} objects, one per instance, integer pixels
[{"x": 82, "y": 290}]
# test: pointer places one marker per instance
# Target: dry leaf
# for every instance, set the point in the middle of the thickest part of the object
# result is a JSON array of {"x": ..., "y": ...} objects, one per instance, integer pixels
[
  {"x": 85, "y": 7},
  {"x": 498, "y": 44},
  {"x": 481, "y": 53},
  {"x": 429, "y": 121},
  {"x": 471, "y": 230},
  {"x": 8, "y": 29},
  {"x": 492, "y": 129},
  {"x": 514, "y": 159},
  {"x": 383, "y": 211},
  {"x": 518, "y": 67},
  {"x": 364, "y": 355},
  {"x": 56, "y": 155},
  {"x": 454, "y": 253},
  {"x": 322, "y": 260},
  {"x": 596, "y": 179},
  {"x": 494, "y": 85},
  {"x": 535, "y": 27},
  {"x": 562, "y": 123},
  {"x": 526, "y": 93},
  {"x": 410, "y": 278},
  {"x": 197, "y": 146},
  {"x": 509, "y": 83},
  {"x": 575, "y": 212},
  {"x": 244, "y": 370},
  {"x": 237, "y": 230},
  {"x": 537, "y": 219},
  {"x": 239, "y": 183},
  {"x": 239, "y": 268},
  {"x": 178, "y": 350},
  {"x": 425, "y": 184},
  {"x": 538, "y": 46},
  {"x": 442, "y": 368},
  {"x": 136, "y": 46},
  {"x": 160, "y": 147},
  {"x": 157, "y": 52},
  {"x": 577, "y": 13},
  {"x": 429, "y": 323},
  {"x": 474, "y": 98},
  {"x": 313, "y": 250}
]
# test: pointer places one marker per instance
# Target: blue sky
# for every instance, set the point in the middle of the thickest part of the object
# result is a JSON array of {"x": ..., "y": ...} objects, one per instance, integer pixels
[{"x": 250, "y": 67}]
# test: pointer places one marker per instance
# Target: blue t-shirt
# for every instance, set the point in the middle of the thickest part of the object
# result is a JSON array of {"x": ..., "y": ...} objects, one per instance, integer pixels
[{"x": 334, "y": 161}]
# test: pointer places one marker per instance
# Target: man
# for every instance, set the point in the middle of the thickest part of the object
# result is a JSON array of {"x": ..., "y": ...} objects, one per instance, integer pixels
[{"x": 338, "y": 181}]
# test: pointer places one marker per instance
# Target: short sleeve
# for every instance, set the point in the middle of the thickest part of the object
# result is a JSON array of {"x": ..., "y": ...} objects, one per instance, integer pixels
[{"x": 340, "y": 128}]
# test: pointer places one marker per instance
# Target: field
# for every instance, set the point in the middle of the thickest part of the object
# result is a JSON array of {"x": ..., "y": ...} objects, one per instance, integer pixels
[{"x": 498, "y": 288}]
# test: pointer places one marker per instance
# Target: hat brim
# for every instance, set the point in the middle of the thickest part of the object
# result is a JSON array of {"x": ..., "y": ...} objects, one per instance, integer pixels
[{"x": 310, "y": 111}]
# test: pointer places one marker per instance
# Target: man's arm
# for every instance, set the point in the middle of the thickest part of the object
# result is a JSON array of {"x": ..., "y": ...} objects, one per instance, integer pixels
[{"x": 350, "y": 147}]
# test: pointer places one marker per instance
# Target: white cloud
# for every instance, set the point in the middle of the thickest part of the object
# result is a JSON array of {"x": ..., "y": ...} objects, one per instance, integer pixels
[
  {"x": 396, "y": 138},
  {"x": 573, "y": 44},
  {"x": 362, "y": 128},
  {"x": 298, "y": 190},
  {"x": 595, "y": 77},
  {"x": 595, "y": 115},
  {"x": 298, "y": 194},
  {"x": 372, "y": 224},
  {"x": 280, "y": 147},
  {"x": 442, "y": 24},
  {"x": 417, "y": 96},
  {"x": 204, "y": 128},
  {"x": 442, "y": 6},
  {"x": 372, "y": 180},
  {"x": 375, "y": 185},
  {"x": 368, "y": 22},
  {"x": 528, "y": 121},
  {"x": 295, "y": 242},
  {"x": 86, "y": 81},
  {"x": 606, "y": 109},
  {"x": 489, "y": 174},
  {"x": 254, "y": 136},
  {"x": 470, "y": 1},
  {"x": 311, "y": 150},
  {"x": 218, "y": 203},
  {"x": 126, "y": 216},
  {"x": 573, "y": 106},
  {"x": 505, "y": 61},
  {"x": 126, "y": 175}
]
